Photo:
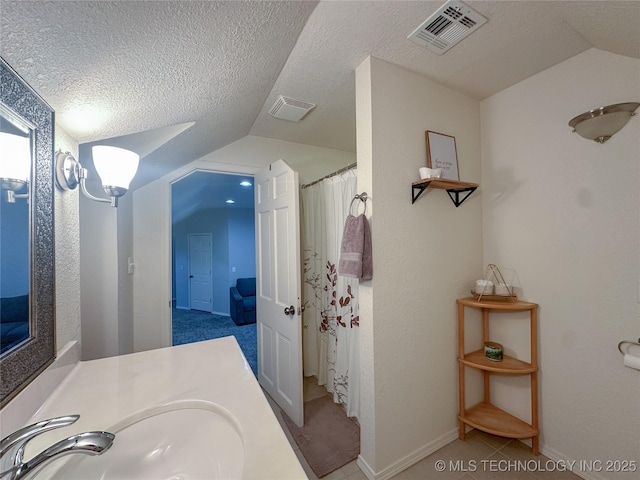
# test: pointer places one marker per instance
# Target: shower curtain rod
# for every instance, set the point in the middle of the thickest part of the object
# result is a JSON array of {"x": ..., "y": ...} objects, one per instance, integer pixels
[{"x": 337, "y": 172}]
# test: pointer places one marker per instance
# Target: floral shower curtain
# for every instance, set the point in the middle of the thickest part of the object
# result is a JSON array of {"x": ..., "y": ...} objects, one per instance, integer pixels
[{"x": 330, "y": 319}]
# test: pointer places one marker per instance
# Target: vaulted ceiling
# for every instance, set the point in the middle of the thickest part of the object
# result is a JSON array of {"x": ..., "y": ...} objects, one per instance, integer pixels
[
  {"x": 176, "y": 80},
  {"x": 207, "y": 190}
]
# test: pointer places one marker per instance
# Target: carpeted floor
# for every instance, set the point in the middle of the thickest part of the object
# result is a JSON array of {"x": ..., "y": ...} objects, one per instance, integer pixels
[{"x": 195, "y": 326}]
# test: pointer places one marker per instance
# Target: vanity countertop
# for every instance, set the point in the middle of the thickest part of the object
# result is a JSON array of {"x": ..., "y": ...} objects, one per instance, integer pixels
[{"x": 105, "y": 391}]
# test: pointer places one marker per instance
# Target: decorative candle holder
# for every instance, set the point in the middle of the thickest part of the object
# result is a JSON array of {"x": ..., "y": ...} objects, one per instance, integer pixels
[
  {"x": 493, "y": 351},
  {"x": 493, "y": 287}
]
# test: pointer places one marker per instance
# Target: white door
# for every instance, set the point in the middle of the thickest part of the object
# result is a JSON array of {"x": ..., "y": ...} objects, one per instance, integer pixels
[
  {"x": 279, "y": 325},
  {"x": 200, "y": 288}
]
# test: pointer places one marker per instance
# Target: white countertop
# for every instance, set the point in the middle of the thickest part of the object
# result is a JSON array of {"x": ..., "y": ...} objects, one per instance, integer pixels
[{"x": 105, "y": 391}]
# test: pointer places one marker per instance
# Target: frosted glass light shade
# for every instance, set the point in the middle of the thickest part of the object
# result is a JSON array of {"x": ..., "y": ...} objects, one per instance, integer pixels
[
  {"x": 116, "y": 166},
  {"x": 602, "y": 123},
  {"x": 15, "y": 157}
]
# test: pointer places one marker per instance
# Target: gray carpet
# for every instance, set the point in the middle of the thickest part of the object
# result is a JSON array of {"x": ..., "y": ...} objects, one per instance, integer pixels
[
  {"x": 195, "y": 326},
  {"x": 329, "y": 439}
]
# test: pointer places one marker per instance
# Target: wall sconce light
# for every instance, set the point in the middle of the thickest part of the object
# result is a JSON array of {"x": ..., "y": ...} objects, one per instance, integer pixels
[
  {"x": 116, "y": 168},
  {"x": 602, "y": 123},
  {"x": 15, "y": 165}
]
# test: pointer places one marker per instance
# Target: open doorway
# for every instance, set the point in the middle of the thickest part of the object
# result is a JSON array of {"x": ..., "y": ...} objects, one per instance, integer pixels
[{"x": 212, "y": 251}]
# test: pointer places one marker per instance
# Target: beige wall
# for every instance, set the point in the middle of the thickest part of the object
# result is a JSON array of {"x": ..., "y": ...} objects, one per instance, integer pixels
[
  {"x": 99, "y": 273},
  {"x": 425, "y": 256},
  {"x": 564, "y": 213},
  {"x": 67, "y": 246},
  {"x": 560, "y": 210}
]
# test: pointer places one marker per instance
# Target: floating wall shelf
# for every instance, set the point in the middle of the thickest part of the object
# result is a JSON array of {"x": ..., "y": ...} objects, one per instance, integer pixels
[{"x": 453, "y": 187}]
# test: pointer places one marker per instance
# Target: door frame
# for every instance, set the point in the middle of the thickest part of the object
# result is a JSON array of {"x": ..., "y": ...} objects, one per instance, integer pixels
[{"x": 152, "y": 314}]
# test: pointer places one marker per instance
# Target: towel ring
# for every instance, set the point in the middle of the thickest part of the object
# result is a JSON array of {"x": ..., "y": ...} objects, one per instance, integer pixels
[
  {"x": 636, "y": 344},
  {"x": 363, "y": 198}
]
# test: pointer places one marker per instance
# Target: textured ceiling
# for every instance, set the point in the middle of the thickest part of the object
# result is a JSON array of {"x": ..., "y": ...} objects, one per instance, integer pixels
[
  {"x": 114, "y": 69},
  {"x": 520, "y": 39},
  {"x": 204, "y": 190}
]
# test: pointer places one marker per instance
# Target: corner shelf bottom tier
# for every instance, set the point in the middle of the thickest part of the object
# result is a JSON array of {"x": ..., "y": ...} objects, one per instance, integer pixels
[{"x": 491, "y": 419}]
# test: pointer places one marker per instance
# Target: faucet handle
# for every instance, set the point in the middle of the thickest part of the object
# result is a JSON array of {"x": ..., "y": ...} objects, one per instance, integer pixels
[
  {"x": 12, "y": 446},
  {"x": 89, "y": 443}
]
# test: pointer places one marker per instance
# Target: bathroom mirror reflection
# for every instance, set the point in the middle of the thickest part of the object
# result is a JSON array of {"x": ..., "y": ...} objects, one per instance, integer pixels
[
  {"x": 26, "y": 235},
  {"x": 15, "y": 151}
]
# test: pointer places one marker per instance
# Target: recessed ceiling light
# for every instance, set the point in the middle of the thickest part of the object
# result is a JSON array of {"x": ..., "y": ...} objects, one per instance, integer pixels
[
  {"x": 231, "y": 201},
  {"x": 245, "y": 183}
]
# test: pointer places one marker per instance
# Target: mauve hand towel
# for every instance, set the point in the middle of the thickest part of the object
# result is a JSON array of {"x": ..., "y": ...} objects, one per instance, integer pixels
[
  {"x": 367, "y": 259},
  {"x": 355, "y": 252}
]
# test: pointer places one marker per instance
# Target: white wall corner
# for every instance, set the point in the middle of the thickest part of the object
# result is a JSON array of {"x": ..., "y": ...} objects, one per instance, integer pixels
[
  {"x": 411, "y": 459},
  {"x": 573, "y": 238},
  {"x": 364, "y": 131},
  {"x": 413, "y": 311}
]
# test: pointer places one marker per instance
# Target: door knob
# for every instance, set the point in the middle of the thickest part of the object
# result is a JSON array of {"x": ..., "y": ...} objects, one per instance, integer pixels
[{"x": 290, "y": 310}]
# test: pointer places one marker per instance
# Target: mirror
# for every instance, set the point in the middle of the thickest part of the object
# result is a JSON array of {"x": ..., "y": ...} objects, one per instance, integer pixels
[
  {"x": 26, "y": 238},
  {"x": 15, "y": 151}
]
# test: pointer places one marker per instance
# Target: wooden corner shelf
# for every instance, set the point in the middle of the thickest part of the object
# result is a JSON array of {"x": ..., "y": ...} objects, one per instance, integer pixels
[
  {"x": 486, "y": 416},
  {"x": 493, "y": 420},
  {"x": 514, "y": 306},
  {"x": 453, "y": 187},
  {"x": 508, "y": 365}
]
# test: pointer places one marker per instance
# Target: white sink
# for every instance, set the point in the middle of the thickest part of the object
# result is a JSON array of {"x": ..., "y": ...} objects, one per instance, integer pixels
[
  {"x": 192, "y": 411},
  {"x": 189, "y": 439}
]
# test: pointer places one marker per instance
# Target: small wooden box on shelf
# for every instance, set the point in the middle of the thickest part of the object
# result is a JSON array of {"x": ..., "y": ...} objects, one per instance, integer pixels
[{"x": 485, "y": 416}]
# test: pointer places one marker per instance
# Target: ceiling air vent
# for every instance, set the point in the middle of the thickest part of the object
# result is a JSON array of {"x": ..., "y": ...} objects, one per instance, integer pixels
[
  {"x": 452, "y": 22},
  {"x": 290, "y": 109}
]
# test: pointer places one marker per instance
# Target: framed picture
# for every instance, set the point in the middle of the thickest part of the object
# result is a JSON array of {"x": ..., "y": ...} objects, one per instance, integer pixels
[{"x": 441, "y": 153}]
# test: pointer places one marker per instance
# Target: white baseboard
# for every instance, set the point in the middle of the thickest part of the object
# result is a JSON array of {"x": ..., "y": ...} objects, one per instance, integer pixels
[
  {"x": 578, "y": 468},
  {"x": 582, "y": 470},
  {"x": 366, "y": 469},
  {"x": 224, "y": 314},
  {"x": 411, "y": 459}
]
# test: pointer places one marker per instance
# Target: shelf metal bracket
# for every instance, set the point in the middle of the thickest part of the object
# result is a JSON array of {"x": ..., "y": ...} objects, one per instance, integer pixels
[
  {"x": 455, "y": 194},
  {"x": 416, "y": 191}
]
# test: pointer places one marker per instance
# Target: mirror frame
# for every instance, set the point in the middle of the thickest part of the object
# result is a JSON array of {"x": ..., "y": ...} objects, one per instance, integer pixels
[{"x": 19, "y": 366}]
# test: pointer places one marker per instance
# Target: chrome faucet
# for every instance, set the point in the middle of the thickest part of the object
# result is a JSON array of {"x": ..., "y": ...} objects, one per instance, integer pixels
[{"x": 12, "y": 447}]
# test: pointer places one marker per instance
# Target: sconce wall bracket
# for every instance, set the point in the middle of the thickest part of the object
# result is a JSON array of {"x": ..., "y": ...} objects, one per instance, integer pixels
[
  {"x": 70, "y": 174},
  {"x": 67, "y": 171}
]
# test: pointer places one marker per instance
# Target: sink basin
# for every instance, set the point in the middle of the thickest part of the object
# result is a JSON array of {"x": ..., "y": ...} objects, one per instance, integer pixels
[{"x": 182, "y": 440}]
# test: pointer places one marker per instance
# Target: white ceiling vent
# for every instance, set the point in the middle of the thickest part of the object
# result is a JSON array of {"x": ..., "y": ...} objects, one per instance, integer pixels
[
  {"x": 452, "y": 22},
  {"x": 290, "y": 109}
]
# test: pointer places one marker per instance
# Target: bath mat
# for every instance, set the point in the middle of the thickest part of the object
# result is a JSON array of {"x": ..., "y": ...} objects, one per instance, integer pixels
[{"x": 329, "y": 439}]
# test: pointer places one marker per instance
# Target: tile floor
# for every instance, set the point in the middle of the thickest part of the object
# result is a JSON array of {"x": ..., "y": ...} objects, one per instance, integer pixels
[{"x": 484, "y": 456}]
